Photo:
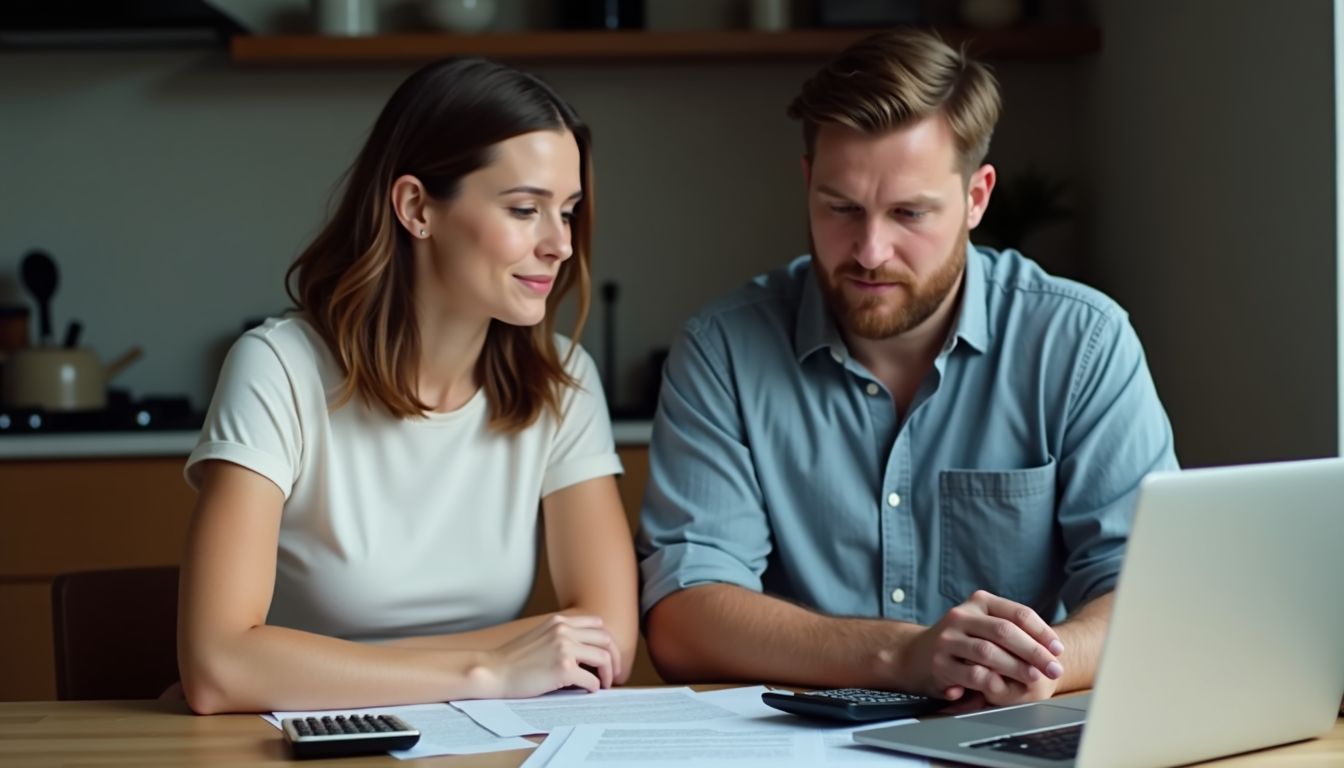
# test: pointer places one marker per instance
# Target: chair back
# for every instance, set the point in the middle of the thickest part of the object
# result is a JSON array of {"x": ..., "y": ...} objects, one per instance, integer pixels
[{"x": 115, "y": 633}]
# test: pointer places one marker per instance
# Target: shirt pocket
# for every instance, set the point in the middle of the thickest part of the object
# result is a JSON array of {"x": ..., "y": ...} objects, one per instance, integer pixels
[{"x": 997, "y": 532}]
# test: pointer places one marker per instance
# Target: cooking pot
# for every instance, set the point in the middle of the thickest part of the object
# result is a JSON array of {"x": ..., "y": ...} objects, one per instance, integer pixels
[{"x": 59, "y": 378}]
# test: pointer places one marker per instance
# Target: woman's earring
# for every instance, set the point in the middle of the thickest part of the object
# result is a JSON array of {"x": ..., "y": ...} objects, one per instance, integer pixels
[{"x": 422, "y": 233}]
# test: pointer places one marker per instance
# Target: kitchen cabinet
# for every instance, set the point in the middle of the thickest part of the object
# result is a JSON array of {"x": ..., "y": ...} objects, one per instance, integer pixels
[
  {"x": 72, "y": 515},
  {"x": 81, "y": 514}
]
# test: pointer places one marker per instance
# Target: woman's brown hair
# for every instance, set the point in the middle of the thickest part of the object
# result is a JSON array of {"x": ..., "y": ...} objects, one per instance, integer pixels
[{"x": 354, "y": 281}]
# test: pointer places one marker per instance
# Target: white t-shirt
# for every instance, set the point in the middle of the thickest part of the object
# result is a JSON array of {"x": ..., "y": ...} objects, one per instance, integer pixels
[{"x": 394, "y": 527}]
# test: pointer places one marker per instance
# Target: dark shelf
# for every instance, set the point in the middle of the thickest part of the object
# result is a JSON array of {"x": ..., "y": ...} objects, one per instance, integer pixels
[{"x": 1040, "y": 41}]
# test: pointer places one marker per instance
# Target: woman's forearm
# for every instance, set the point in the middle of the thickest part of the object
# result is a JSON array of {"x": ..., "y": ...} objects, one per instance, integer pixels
[
  {"x": 274, "y": 668},
  {"x": 481, "y": 639}
]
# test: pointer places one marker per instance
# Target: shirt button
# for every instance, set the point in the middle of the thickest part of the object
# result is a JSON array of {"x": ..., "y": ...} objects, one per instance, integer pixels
[
  {"x": 836, "y": 356},
  {"x": 898, "y": 595},
  {"x": 872, "y": 389},
  {"x": 894, "y": 499}
]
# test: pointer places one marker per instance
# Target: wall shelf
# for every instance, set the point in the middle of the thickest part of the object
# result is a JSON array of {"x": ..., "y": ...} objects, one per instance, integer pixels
[{"x": 1040, "y": 41}]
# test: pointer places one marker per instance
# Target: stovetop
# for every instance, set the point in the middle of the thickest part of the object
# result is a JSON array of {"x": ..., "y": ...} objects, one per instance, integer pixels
[{"x": 122, "y": 414}]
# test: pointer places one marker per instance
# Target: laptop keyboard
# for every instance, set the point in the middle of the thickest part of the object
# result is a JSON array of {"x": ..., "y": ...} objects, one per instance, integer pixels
[{"x": 1054, "y": 744}]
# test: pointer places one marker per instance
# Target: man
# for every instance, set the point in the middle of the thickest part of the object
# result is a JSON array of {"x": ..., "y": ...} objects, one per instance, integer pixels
[{"x": 897, "y": 462}]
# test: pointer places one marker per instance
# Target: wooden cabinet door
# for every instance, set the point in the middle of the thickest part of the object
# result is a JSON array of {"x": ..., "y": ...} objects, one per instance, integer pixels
[{"x": 74, "y": 515}]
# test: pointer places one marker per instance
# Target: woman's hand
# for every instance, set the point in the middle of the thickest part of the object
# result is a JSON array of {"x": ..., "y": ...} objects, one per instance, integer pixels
[{"x": 562, "y": 651}]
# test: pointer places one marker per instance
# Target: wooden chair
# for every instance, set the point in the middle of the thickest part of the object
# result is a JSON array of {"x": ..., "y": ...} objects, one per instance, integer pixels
[{"x": 115, "y": 633}]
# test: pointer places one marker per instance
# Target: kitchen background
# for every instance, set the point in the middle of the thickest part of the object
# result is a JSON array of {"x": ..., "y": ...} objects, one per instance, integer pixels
[
  {"x": 1195, "y": 147},
  {"x": 173, "y": 188}
]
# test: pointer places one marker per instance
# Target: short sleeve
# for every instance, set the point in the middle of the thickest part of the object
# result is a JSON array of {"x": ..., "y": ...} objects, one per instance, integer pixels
[
  {"x": 704, "y": 518},
  {"x": 253, "y": 419},
  {"x": 1117, "y": 433},
  {"x": 583, "y": 447}
]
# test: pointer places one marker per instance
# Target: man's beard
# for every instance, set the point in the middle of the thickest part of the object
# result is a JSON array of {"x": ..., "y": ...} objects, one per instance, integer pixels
[{"x": 882, "y": 317}]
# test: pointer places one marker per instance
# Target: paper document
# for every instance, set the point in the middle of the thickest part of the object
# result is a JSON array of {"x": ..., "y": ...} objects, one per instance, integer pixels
[
  {"x": 833, "y": 739},
  {"x": 443, "y": 730},
  {"x": 837, "y": 739},
  {"x": 517, "y": 717},
  {"x": 541, "y": 756},
  {"x": 837, "y": 736},
  {"x": 638, "y": 746},
  {"x": 838, "y": 749},
  {"x": 745, "y": 701}
]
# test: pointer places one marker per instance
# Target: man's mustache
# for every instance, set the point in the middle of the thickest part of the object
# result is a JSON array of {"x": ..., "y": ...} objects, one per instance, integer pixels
[{"x": 875, "y": 275}]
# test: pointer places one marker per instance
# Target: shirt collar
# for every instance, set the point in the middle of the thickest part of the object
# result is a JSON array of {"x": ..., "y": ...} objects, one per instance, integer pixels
[
  {"x": 972, "y": 324},
  {"x": 816, "y": 329}
]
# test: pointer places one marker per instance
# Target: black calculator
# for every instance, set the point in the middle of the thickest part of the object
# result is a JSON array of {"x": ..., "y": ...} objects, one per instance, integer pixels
[
  {"x": 854, "y": 704},
  {"x": 340, "y": 735}
]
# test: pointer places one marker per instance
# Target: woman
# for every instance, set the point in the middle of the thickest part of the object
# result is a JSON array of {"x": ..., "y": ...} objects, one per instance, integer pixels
[{"x": 371, "y": 465}]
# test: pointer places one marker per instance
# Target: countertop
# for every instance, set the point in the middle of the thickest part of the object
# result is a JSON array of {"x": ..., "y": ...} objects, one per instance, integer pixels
[{"x": 73, "y": 445}]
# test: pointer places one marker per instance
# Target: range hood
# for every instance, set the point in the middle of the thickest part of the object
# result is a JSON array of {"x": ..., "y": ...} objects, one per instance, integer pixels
[{"x": 112, "y": 23}]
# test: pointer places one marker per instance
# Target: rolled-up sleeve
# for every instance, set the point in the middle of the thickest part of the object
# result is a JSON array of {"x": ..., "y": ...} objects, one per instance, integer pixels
[
  {"x": 254, "y": 419},
  {"x": 703, "y": 518},
  {"x": 1117, "y": 432}
]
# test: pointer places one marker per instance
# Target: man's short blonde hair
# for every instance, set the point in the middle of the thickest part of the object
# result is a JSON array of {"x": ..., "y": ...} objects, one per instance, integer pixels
[{"x": 893, "y": 79}]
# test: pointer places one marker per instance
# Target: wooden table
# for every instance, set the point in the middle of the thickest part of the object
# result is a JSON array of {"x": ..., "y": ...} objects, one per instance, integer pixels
[{"x": 51, "y": 734}]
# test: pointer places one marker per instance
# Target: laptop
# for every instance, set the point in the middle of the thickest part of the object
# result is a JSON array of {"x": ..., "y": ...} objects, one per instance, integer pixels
[{"x": 1227, "y": 633}]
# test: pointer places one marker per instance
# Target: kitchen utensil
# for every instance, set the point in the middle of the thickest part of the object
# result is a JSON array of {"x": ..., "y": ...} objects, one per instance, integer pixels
[
  {"x": 343, "y": 18},
  {"x": 40, "y": 278},
  {"x": 769, "y": 15},
  {"x": 57, "y": 379},
  {"x": 72, "y": 332},
  {"x": 461, "y": 16},
  {"x": 610, "y": 291},
  {"x": 653, "y": 381}
]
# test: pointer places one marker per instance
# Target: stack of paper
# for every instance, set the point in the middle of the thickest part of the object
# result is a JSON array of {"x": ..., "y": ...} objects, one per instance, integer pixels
[
  {"x": 732, "y": 728},
  {"x": 520, "y": 717},
  {"x": 636, "y": 727}
]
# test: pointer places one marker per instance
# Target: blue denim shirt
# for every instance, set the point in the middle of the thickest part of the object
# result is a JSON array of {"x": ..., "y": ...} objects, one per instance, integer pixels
[{"x": 779, "y": 463}]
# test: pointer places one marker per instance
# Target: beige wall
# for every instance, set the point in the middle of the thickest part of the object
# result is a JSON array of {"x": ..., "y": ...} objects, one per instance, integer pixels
[{"x": 1212, "y": 172}]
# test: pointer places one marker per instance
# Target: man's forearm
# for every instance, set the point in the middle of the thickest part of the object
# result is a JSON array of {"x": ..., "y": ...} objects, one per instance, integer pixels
[
  {"x": 1083, "y": 634},
  {"x": 724, "y": 632}
]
